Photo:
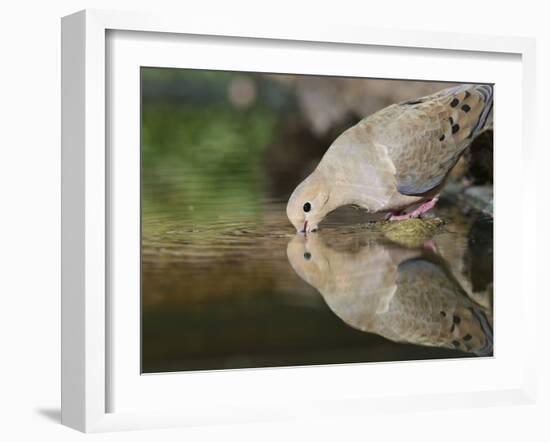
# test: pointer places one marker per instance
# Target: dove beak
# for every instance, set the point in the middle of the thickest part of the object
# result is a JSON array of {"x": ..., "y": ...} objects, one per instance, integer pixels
[{"x": 307, "y": 228}]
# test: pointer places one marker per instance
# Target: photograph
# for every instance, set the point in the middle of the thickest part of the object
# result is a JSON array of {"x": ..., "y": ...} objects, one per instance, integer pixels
[{"x": 302, "y": 220}]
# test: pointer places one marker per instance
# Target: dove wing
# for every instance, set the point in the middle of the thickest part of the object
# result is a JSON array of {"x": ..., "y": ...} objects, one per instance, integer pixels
[
  {"x": 438, "y": 309},
  {"x": 426, "y": 136}
]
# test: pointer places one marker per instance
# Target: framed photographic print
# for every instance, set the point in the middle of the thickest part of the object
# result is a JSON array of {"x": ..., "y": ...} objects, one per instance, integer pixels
[{"x": 265, "y": 223}]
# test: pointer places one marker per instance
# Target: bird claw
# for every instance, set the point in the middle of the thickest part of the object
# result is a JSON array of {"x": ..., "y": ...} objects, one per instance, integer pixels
[{"x": 416, "y": 213}]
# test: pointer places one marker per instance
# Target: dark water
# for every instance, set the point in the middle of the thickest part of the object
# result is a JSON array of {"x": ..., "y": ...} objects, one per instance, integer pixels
[
  {"x": 244, "y": 290},
  {"x": 226, "y": 281}
]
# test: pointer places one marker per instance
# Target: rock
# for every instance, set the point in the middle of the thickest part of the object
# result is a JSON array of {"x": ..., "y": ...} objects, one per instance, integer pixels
[
  {"x": 480, "y": 198},
  {"x": 412, "y": 232},
  {"x": 476, "y": 197}
]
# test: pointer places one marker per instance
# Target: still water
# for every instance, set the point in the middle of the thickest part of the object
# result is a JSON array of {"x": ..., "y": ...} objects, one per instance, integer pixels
[
  {"x": 226, "y": 281},
  {"x": 243, "y": 290}
]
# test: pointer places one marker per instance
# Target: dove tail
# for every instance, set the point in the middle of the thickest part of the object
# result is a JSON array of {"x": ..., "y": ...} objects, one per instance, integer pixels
[
  {"x": 486, "y": 92},
  {"x": 470, "y": 107},
  {"x": 487, "y": 348}
]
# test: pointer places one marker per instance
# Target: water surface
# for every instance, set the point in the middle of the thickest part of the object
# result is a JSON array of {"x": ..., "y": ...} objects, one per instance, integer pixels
[{"x": 244, "y": 290}]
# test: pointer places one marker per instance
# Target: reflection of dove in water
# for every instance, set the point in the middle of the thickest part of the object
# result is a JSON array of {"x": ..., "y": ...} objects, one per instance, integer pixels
[
  {"x": 396, "y": 160},
  {"x": 393, "y": 292}
]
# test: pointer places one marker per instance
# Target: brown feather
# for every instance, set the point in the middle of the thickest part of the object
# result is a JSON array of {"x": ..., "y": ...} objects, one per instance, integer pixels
[{"x": 425, "y": 140}]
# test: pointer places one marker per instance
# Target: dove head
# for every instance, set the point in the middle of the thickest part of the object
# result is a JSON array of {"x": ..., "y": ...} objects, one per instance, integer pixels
[
  {"x": 307, "y": 205},
  {"x": 309, "y": 258}
]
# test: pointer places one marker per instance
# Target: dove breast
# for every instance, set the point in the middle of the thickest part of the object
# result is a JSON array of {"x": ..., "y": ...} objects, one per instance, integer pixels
[{"x": 359, "y": 171}]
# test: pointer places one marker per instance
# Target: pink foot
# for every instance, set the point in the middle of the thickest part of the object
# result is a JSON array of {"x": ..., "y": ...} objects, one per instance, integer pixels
[
  {"x": 416, "y": 213},
  {"x": 430, "y": 246}
]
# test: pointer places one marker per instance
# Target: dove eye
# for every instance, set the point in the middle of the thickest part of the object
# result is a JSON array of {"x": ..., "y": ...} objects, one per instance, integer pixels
[
  {"x": 307, "y": 256},
  {"x": 307, "y": 207}
]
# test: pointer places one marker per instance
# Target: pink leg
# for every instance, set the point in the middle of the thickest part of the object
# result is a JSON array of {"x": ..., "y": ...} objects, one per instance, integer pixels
[
  {"x": 430, "y": 246},
  {"x": 416, "y": 213}
]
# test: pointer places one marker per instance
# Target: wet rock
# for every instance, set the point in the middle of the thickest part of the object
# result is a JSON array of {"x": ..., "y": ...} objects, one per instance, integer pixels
[
  {"x": 411, "y": 232},
  {"x": 480, "y": 197}
]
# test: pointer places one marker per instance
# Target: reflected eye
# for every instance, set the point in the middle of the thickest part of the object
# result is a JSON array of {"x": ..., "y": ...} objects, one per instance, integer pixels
[
  {"x": 307, "y": 256},
  {"x": 307, "y": 207}
]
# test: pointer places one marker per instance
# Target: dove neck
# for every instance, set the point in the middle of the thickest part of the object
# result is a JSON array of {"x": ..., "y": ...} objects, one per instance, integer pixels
[{"x": 339, "y": 195}]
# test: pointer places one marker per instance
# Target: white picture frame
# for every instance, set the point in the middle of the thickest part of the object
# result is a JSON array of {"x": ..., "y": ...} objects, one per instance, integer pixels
[{"x": 87, "y": 232}]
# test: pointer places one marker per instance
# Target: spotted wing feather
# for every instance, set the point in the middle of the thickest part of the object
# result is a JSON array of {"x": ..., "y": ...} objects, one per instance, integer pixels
[
  {"x": 426, "y": 136},
  {"x": 437, "y": 311}
]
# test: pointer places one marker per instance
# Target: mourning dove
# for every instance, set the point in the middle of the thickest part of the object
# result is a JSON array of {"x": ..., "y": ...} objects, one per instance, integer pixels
[
  {"x": 396, "y": 160},
  {"x": 404, "y": 295}
]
